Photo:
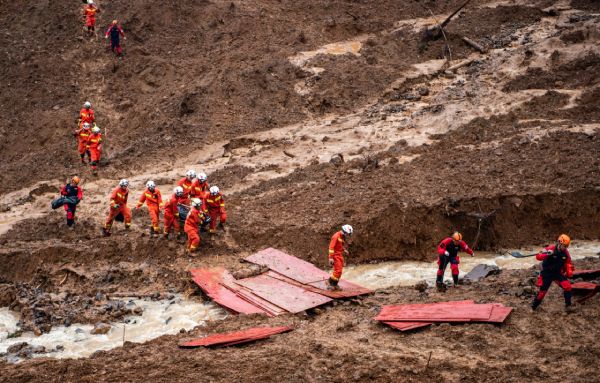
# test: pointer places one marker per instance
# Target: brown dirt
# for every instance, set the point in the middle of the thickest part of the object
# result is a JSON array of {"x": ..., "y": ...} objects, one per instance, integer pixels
[{"x": 509, "y": 152}]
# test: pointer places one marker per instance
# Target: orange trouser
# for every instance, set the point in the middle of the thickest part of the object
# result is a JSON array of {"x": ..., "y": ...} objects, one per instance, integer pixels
[
  {"x": 171, "y": 222},
  {"x": 154, "y": 212},
  {"x": 82, "y": 147},
  {"x": 338, "y": 265},
  {"x": 112, "y": 213},
  {"x": 193, "y": 237},
  {"x": 214, "y": 214},
  {"x": 95, "y": 154}
]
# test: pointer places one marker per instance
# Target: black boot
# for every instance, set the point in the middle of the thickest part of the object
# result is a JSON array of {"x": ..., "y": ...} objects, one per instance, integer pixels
[
  {"x": 106, "y": 232},
  {"x": 455, "y": 280},
  {"x": 535, "y": 304}
]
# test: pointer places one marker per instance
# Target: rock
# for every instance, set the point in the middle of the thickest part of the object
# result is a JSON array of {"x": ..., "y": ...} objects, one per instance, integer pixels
[
  {"x": 481, "y": 271},
  {"x": 15, "y": 348},
  {"x": 421, "y": 286},
  {"x": 38, "y": 349},
  {"x": 138, "y": 310},
  {"x": 100, "y": 328},
  {"x": 337, "y": 159},
  {"x": 423, "y": 90}
]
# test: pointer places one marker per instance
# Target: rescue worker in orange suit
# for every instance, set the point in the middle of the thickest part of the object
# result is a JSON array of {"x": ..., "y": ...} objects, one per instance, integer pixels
[
  {"x": 115, "y": 32},
  {"x": 86, "y": 114},
  {"x": 89, "y": 17},
  {"x": 556, "y": 267},
  {"x": 118, "y": 205},
  {"x": 338, "y": 247},
  {"x": 72, "y": 189},
  {"x": 215, "y": 207},
  {"x": 187, "y": 183},
  {"x": 200, "y": 187},
  {"x": 153, "y": 199},
  {"x": 83, "y": 137},
  {"x": 194, "y": 220},
  {"x": 448, "y": 251},
  {"x": 172, "y": 212},
  {"x": 95, "y": 148}
]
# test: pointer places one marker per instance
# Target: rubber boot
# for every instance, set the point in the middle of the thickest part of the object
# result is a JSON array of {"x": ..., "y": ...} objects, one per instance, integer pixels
[
  {"x": 152, "y": 233},
  {"x": 441, "y": 287},
  {"x": 83, "y": 158},
  {"x": 106, "y": 232},
  {"x": 455, "y": 280},
  {"x": 568, "y": 304},
  {"x": 166, "y": 235},
  {"x": 535, "y": 304},
  {"x": 332, "y": 284}
]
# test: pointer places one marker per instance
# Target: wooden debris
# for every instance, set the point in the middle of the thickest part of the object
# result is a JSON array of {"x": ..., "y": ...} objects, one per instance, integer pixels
[{"x": 474, "y": 44}]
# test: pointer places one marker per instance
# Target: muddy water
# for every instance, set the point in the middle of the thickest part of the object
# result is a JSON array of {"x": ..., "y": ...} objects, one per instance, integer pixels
[
  {"x": 159, "y": 318},
  {"x": 408, "y": 273}
]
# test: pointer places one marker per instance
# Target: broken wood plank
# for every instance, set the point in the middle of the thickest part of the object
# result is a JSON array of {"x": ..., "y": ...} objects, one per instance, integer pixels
[
  {"x": 459, "y": 65},
  {"x": 474, "y": 44}
]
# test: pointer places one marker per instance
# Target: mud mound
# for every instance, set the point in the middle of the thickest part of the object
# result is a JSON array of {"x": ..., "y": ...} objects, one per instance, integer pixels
[{"x": 579, "y": 73}]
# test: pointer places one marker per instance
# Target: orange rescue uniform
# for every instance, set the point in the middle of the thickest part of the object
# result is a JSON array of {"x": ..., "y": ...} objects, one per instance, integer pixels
[
  {"x": 336, "y": 252},
  {"x": 95, "y": 148},
  {"x": 83, "y": 137},
  {"x": 200, "y": 189},
  {"x": 194, "y": 219},
  {"x": 118, "y": 198},
  {"x": 172, "y": 214},
  {"x": 186, "y": 185},
  {"x": 153, "y": 200},
  {"x": 89, "y": 13},
  {"x": 86, "y": 115},
  {"x": 215, "y": 207}
]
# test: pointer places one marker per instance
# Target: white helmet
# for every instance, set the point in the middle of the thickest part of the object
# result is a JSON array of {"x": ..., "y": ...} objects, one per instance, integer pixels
[
  {"x": 86, "y": 125},
  {"x": 123, "y": 183},
  {"x": 90, "y": 2},
  {"x": 95, "y": 130},
  {"x": 150, "y": 185},
  {"x": 88, "y": 104},
  {"x": 196, "y": 202},
  {"x": 214, "y": 190},
  {"x": 202, "y": 177},
  {"x": 178, "y": 191},
  {"x": 347, "y": 230},
  {"x": 190, "y": 174}
]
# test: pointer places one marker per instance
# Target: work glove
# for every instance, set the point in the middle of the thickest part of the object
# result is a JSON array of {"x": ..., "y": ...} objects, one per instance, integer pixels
[
  {"x": 472, "y": 255},
  {"x": 330, "y": 261},
  {"x": 447, "y": 254},
  {"x": 116, "y": 206}
]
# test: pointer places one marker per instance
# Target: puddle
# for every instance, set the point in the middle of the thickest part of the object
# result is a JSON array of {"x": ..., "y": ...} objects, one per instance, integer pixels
[
  {"x": 388, "y": 274},
  {"x": 159, "y": 318}
]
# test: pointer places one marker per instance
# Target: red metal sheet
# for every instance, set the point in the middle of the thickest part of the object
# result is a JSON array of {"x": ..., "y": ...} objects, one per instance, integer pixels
[
  {"x": 290, "y": 266},
  {"x": 436, "y": 312},
  {"x": 349, "y": 290},
  {"x": 237, "y": 337},
  {"x": 247, "y": 295},
  {"x": 209, "y": 281},
  {"x": 499, "y": 313},
  {"x": 287, "y": 296},
  {"x": 586, "y": 274},
  {"x": 405, "y": 326}
]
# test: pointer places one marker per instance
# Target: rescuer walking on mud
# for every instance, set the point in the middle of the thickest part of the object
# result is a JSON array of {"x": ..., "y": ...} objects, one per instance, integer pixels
[
  {"x": 194, "y": 219},
  {"x": 338, "y": 248},
  {"x": 83, "y": 137},
  {"x": 95, "y": 148},
  {"x": 200, "y": 187},
  {"x": 86, "y": 114},
  {"x": 215, "y": 207},
  {"x": 172, "y": 212},
  {"x": 153, "y": 199},
  {"x": 89, "y": 17},
  {"x": 187, "y": 183},
  {"x": 556, "y": 267},
  {"x": 115, "y": 32},
  {"x": 118, "y": 207},
  {"x": 73, "y": 191},
  {"x": 448, "y": 254}
]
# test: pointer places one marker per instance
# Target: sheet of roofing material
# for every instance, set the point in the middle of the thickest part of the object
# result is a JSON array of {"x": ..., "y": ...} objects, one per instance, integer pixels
[
  {"x": 210, "y": 282},
  {"x": 287, "y": 296},
  {"x": 436, "y": 312},
  {"x": 237, "y": 337},
  {"x": 288, "y": 265}
]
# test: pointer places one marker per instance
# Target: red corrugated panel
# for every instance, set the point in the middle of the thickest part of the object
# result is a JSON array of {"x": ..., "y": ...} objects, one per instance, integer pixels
[
  {"x": 584, "y": 286},
  {"x": 499, "y": 313},
  {"x": 586, "y": 273},
  {"x": 405, "y": 326},
  {"x": 287, "y": 296},
  {"x": 209, "y": 281},
  {"x": 348, "y": 290},
  {"x": 237, "y": 337},
  {"x": 288, "y": 265},
  {"x": 436, "y": 312}
]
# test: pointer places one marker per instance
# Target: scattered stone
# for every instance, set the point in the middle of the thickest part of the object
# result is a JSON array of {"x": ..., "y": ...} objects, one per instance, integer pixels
[
  {"x": 15, "y": 348},
  {"x": 421, "y": 286},
  {"x": 423, "y": 91},
  {"x": 337, "y": 159},
  {"x": 481, "y": 271},
  {"x": 100, "y": 328}
]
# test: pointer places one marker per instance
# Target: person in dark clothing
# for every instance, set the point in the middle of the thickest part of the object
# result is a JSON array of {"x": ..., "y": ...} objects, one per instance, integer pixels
[
  {"x": 448, "y": 254},
  {"x": 115, "y": 32},
  {"x": 72, "y": 189},
  {"x": 556, "y": 267}
]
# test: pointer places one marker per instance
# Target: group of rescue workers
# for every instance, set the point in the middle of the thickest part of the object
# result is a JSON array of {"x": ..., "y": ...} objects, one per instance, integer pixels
[
  {"x": 556, "y": 265},
  {"x": 195, "y": 204}
]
